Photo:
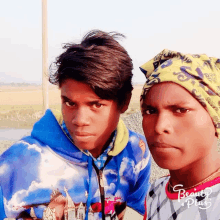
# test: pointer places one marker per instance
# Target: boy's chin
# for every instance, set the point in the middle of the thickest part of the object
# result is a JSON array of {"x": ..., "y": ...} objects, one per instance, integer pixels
[{"x": 167, "y": 164}]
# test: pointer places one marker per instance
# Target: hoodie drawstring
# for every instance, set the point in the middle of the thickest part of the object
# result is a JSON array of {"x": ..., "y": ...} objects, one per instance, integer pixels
[{"x": 88, "y": 202}]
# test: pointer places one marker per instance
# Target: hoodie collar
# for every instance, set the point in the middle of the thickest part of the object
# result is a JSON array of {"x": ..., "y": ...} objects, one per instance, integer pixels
[{"x": 48, "y": 130}]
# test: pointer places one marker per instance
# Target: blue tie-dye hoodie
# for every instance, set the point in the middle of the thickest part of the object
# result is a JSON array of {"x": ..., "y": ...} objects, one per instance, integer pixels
[{"x": 45, "y": 176}]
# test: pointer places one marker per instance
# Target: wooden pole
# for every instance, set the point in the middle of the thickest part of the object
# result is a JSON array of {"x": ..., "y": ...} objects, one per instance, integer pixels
[{"x": 44, "y": 56}]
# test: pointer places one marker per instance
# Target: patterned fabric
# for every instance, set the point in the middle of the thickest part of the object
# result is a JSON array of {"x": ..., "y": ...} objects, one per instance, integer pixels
[
  {"x": 202, "y": 205},
  {"x": 100, "y": 161},
  {"x": 199, "y": 74},
  {"x": 46, "y": 171}
]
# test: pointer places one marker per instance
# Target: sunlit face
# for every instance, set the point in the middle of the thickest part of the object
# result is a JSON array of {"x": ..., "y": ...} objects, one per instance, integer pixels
[
  {"x": 178, "y": 129},
  {"x": 90, "y": 120}
]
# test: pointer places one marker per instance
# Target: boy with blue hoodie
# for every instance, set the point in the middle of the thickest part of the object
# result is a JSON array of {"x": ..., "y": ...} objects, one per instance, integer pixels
[{"x": 83, "y": 163}]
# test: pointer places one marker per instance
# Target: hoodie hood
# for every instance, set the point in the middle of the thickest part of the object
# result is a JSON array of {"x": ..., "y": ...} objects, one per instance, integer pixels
[
  {"x": 39, "y": 166},
  {"x": 48, "y": 131}
]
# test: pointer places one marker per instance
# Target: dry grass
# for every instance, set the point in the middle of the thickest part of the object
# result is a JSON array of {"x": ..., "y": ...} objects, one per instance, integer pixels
[{"x": 21, "y": 107}]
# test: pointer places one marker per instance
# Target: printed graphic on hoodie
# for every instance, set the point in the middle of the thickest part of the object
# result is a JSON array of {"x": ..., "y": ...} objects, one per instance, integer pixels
[
  {"x": 63, "y": 207},
  {"x": 41, "y": 174}
]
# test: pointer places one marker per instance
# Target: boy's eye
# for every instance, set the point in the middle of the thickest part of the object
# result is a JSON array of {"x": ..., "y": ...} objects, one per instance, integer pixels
[
  {"x": 149, "y": 111},
  {"x": 69, "y": 104},
  {"x": 97, "y": 105},
  {"x": 181, "y": 110}
]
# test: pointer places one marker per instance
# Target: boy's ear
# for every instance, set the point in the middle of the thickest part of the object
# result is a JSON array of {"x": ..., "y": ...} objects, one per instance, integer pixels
[{"x": 126, "y": 103}]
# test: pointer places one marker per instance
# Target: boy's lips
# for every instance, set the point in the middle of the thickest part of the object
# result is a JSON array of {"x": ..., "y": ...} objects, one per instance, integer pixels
[
  {"x": 82, "y": 136},
  {"x": 158, "y": 148},
  {"x": 161, "y": 145}
]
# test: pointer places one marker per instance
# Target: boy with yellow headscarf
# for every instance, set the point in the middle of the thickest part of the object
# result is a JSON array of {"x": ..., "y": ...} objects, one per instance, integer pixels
[{"x": 180, "y": 105}]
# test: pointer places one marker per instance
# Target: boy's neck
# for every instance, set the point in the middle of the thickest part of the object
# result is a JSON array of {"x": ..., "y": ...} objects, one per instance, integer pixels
[{"x": 98, "y": 151}]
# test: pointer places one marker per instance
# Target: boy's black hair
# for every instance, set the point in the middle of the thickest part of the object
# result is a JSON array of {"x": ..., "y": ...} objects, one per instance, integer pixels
[{"x": 99, "y": 61}]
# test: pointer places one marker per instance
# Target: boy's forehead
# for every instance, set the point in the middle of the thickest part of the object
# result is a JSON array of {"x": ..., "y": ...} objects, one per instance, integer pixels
[
  {"x": 168, "y": 93},
  {"x": 72, "y": 89}
]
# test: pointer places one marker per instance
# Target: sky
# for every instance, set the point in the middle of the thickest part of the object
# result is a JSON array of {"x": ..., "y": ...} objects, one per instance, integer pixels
[{"x": 188, "y": 26}]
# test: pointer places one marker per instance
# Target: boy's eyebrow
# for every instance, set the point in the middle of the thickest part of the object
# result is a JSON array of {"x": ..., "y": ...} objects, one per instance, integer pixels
[
  {"x": 178, "y": 103},
  {"x": 65, "y": 98},
  {"x": 89, "y": 101},
  {"x": 144, "y": 105}
]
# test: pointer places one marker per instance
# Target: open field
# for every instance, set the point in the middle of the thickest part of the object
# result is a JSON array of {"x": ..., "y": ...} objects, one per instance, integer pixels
[{"x": 21, "y": 107}]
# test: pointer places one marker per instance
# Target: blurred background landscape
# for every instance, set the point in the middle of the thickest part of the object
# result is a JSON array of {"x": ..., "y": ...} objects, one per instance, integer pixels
[
  {"x": 21, "y": 103},
  {"x": 149, "y": 27}
]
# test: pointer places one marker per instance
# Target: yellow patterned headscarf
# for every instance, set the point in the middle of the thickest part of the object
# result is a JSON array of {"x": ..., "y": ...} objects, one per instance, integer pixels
[{"x": 199, "y": 74}]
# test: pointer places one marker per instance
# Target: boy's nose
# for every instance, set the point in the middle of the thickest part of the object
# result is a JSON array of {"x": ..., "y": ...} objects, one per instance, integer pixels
[
  {"x": 163, "y": 124},
  {"x": 81, "y": 118}
]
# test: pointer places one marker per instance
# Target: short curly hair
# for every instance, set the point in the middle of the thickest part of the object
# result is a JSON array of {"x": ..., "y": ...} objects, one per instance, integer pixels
[{"x": 99, "y": 61}]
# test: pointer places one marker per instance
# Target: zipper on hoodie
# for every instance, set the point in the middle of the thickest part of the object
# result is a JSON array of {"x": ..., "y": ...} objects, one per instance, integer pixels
[
  {"x": 102, "y": 192},
  {"x": 101, "y": 184}
]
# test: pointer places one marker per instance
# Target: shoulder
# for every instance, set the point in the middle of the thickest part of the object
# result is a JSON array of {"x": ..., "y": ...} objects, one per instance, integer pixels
[
  {"x": 17, "y": 161},
  {"x": 138, "y": 152},
  {"x": 158, "y": 186},
  {"x": 160, "y": 183},
  {"x": 138, "y": 143},
  {"x": 133, "y": 122},
  {"x": 25, "y": 148}
]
